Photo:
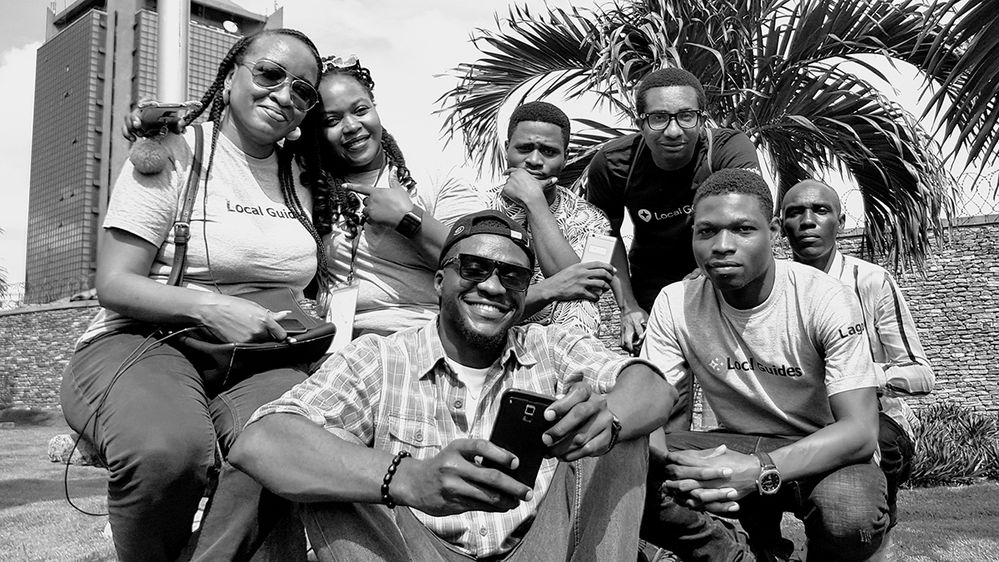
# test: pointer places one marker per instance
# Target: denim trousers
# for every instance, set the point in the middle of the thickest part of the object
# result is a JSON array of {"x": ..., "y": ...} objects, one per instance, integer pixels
[
  {"x": 591, "y": 512},
  {"x": 157, "y": 429},
  {"x": 845, "y": 511},
  {"x": 897, "y": 451}
]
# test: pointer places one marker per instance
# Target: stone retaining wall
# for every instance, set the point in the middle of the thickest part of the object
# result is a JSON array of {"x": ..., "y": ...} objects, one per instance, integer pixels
[{"x": 956, "y": 307}]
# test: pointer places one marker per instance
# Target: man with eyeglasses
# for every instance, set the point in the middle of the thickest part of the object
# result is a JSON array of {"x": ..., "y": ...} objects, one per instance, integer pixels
[
  {"x": 389, "y": 438},
  {"x": 653, "y": 175}
]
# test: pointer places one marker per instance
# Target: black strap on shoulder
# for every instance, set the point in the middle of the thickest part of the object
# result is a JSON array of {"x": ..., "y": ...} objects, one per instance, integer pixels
[
  {"x": 182, "y": 226},
  {"x": 636, "y": 152}
]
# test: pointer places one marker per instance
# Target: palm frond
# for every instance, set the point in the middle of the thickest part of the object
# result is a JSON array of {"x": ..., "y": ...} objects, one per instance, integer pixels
[{"x": 536, "y": 57}]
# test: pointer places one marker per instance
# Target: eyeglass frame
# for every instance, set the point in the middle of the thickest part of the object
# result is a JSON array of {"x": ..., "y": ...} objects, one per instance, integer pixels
[
  {"x": 289, "y": 78},
  {"x": 672, "y": 117},
  {"x": 495, "y": 266}
]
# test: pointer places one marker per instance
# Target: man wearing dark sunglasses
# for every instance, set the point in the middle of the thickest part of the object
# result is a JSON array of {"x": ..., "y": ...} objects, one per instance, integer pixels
[
  {"x": 653, "y": 175},
  {"x": 390, "y": 436}
]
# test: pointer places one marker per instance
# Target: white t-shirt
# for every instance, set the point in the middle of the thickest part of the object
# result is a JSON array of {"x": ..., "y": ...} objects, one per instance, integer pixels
[
  {"x": 770, "y": 369},
  {"x": 243, "y": 238},
  {"x": 473, "y": 379},
  {"x": 395, "y": 282}
]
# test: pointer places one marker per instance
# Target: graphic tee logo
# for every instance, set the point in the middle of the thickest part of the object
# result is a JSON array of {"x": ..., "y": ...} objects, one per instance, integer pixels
[
  {"x": 759, "y": 367},
  {"x": 645, "y": 215},
  {"x": 716, "y": 364}
]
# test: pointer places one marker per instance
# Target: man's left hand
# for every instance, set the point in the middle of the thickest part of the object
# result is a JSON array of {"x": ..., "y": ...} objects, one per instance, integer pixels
[
  {"x": 713, "y": 479},
  {"x": 584, "y": 424}
]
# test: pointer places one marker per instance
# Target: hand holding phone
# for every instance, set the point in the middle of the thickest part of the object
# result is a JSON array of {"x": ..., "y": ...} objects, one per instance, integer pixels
[
  {"x": 519, "y": 426},
  {"x": 154, "y": 117}
]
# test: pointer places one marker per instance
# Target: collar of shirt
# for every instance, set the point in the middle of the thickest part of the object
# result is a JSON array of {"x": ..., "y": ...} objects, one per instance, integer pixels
[{"x": 514, "y": 349}]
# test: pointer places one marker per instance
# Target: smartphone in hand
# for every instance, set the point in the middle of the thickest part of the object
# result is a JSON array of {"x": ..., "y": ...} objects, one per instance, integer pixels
[
  {"x": 599, "y": 247},
  {"x": 292, "y": 326},
  {"x": 518, "y": 429}
]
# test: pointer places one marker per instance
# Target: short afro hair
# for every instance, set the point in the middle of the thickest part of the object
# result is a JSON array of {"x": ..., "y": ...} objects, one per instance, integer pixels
[
  {"x": 666, "y": 78},
  {"x": 737, "y": 180},
  {"x": 540, "y": 111}
]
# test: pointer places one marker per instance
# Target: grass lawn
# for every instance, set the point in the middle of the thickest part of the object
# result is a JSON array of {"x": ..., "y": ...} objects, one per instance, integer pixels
[{"x": 36, "y": 523}]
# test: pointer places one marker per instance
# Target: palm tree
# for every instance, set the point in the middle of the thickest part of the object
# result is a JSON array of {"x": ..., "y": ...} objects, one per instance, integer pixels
[{"x": 795, "y": 75}]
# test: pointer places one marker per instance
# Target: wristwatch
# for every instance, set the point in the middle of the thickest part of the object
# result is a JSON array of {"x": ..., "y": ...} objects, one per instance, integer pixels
[
  {"x": 615, "y": 431},
  {"x": 769, "y": 481},
  {"x": 411, "y": 222}
]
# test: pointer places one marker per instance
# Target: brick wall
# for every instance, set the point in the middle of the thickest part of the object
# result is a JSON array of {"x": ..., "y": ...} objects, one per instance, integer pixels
[
  {"x": 37, "y": 343},
  {"x": 955, "y": 305}
]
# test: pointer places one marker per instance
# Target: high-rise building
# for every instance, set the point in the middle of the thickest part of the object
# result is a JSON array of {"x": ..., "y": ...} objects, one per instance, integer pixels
[{"x": 98, "y": 59}]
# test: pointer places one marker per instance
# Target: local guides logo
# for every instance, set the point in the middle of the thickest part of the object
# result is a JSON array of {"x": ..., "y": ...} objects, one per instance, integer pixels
[{"x": 756, "y": 366}]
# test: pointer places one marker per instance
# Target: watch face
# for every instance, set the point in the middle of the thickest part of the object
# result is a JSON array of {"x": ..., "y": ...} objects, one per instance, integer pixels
[{"x": 769, "y": 481}]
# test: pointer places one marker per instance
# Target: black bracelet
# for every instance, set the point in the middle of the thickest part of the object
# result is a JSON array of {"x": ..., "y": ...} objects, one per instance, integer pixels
[{"x": 386, "y": 496}]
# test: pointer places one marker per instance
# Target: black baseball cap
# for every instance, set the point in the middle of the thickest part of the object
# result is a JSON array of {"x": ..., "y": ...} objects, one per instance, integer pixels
[{"x": 489, "y": 221}]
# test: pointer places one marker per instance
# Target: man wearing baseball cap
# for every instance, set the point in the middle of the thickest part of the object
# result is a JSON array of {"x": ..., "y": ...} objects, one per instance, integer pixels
[{"x": 390, "y": 437}]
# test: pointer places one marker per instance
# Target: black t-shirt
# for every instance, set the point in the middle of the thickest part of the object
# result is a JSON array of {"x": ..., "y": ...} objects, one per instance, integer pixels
[{"x": 659, "y": 201}]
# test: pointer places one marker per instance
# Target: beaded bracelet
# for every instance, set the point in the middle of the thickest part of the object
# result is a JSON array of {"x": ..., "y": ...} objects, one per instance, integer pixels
[{"x": 386, "y": 496}]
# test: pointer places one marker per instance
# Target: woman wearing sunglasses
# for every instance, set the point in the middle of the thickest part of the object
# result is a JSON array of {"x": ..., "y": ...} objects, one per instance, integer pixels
[
  {"x": 386, "y": 234},
  {"x": 138, "y": 398}
]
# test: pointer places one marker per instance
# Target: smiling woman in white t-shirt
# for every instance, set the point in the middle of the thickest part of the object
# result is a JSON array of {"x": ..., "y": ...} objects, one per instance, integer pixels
[{"x": 127, "y": 389}]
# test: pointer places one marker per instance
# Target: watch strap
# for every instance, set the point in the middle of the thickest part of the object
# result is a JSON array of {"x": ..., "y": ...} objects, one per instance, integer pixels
[
  {"x": 766, "y": 462},
  {"x": 615, "y": 430},
  {"x": 411, "y": 222}
]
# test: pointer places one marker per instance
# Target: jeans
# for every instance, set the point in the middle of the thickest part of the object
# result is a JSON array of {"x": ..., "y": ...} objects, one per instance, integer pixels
[
  {"x": 591, "y": 512},
  {"x": 897, "y": 451},
  {"x": 845, "y": 511},
  {"x": 157, "y": 429}
]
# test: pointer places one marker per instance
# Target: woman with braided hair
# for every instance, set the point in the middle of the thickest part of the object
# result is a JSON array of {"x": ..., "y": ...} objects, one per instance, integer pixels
[
  {"x": 386, "y": 234},
  {"x": 127, "y": 388}
]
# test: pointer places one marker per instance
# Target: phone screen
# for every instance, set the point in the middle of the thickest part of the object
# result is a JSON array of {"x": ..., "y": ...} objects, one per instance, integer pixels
[
  {"x": 518, "y": 429},
  {"x": 599, "y": 247},
  {"x": 292, "y": 325}
]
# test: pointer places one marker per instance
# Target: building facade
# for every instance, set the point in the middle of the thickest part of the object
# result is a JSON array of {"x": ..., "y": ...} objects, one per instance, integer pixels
[{"x": 99, "y": 57}]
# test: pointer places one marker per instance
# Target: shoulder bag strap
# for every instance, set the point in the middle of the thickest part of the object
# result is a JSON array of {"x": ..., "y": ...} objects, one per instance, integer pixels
[
  {"x": 182, "y": 226},
  {"x": 711, "y": 147}
]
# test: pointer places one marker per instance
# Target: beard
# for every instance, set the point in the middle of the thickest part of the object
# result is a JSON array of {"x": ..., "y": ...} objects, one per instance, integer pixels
[{"x": 488, "y": 343}]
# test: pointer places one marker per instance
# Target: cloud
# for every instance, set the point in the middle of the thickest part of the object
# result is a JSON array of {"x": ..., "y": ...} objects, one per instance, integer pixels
[{"x": 15, "y": 156}]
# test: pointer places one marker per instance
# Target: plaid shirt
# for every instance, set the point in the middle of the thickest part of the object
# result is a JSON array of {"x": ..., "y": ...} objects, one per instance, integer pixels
[{"x": 397, "y": 393}]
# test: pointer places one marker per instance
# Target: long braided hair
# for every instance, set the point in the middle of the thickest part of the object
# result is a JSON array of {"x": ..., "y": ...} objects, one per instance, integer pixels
[
  {"x": 343, "y": 204},
  {"x": 307, "y": 152}
]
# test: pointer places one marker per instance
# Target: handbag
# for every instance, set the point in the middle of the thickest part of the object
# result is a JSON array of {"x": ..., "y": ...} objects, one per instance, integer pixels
[{"x": 223, "y": 364}]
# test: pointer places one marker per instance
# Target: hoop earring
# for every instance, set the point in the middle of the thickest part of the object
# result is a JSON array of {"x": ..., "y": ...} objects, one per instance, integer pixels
[
  {"x": 225, "y": 96},
  {"x": 294, "y": 134}
]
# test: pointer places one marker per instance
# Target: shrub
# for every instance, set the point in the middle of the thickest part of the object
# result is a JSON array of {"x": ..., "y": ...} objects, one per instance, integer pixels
[{"x": 956, "y": 445}]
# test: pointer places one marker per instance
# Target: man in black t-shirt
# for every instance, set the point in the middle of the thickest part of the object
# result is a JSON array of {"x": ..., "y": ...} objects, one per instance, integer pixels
[{"x": 653, "y": 174}]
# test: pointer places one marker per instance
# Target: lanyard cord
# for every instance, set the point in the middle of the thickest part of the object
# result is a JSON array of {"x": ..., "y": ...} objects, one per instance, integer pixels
[{"x": 356, "y": 242}]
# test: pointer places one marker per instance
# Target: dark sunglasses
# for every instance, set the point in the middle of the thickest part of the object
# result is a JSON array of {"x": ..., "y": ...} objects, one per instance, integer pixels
[
  {"x": 477, "y": 269},
  {"x": 271, "y": 75}
]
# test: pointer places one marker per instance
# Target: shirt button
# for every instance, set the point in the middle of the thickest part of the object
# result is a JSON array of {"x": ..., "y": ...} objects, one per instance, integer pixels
[
  {"x": 458, "y": 404},
  {"x": 418, "y": 436},
  {"x": 483, "y": 531}
]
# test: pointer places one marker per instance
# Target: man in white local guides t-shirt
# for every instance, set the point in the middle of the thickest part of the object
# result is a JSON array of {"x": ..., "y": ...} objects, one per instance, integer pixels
[{"x": 779, "y": 351}]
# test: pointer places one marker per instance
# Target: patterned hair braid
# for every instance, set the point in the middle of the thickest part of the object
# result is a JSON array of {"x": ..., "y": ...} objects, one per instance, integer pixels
[{"x": 395, "y": 157}]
